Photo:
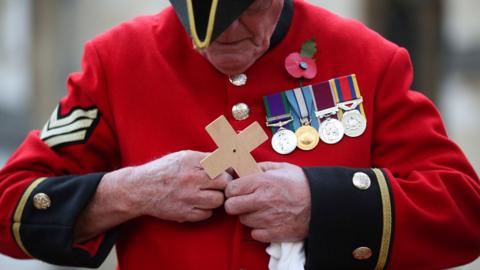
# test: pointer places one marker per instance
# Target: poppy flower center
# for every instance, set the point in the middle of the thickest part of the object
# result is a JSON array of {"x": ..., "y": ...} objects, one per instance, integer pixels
[{"x": 303, "y": 65}]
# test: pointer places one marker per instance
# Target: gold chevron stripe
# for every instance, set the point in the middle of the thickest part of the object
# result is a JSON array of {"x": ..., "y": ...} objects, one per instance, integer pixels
[
  {"x": 80, "y": 124},
  {"x": 55, "y": 122},
  {"x": 67, "y": 138},
  {"x": 69, "y": 129}
]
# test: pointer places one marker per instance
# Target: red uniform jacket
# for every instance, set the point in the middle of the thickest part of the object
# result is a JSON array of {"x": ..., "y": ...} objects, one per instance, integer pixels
[{"x": 145, "y": 92}]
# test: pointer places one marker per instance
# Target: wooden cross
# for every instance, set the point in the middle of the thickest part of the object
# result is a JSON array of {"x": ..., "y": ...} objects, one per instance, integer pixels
[{"x": 233, "y": 149}]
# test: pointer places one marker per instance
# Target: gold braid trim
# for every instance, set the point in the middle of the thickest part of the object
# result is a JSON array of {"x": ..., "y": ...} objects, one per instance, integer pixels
[
  {"x": 17, "y": 217},
  {"x": 202, "y": 44},
  {"x": 387, "y": 220}
]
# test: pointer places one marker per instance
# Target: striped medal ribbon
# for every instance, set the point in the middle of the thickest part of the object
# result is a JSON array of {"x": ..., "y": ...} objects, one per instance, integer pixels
[
  {"x": 331, "y": 129},
  {"x": 305, "y": 122},
  {"x": 280, "y": 120},
  {"x": 350, "y": 104}
]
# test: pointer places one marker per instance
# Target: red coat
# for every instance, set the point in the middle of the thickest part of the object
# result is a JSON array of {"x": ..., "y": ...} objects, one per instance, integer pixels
[{"x": 148, "y": 93}]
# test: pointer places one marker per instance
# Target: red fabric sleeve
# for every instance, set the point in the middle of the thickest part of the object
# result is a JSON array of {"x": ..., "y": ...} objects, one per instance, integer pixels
[
  {"x": 91, "y": 148},
  {"x": 92, "y": 246},
  {"x": 436, "y": 192}
]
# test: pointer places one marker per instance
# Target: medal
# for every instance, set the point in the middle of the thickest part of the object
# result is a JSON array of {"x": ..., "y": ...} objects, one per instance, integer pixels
[
  {"x": 326, "y": 111},
  {"x": 301, "y": 100},
  {"x": 354, "y": 122},
  {"x": 307, "y": 137},
  {"x": 279, "y": 116},
  {"x": 331, "y": 129},
  {"x": 284, "y": 141},
  {"x": 349, "y": 100}
]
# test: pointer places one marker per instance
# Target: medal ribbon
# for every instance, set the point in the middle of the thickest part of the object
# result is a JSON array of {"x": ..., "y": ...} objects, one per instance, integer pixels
[
  {"x": 278, "y": 110},
  {"x": 302, "y": 103},
  {"x": 346, "y": 89},
  {"x": 324, "y": 98}
]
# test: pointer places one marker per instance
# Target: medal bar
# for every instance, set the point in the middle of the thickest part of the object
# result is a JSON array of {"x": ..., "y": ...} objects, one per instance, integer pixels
[
  {"x": 307, "y": 136},
  {"x": 279, "y": 115},
  {"x": 331, "y": 129},
  {"x": 349, "y": 100}
]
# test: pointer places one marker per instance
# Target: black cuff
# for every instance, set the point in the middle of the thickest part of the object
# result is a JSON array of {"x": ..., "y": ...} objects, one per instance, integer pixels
[
  {"x": 49, "y": 209},
  {"x": 351, "y": 220}
]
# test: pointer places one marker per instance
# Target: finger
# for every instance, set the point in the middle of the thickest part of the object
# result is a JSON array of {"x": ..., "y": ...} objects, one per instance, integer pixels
[
  {"x": 262, "y": 235},
  {"x": 265, "y": 235},
  {"x": 196, "y": 215},
  {"x": 242, "y": 186},
  {"x": 195, "y": 155},
  {"x": 219, "y": 183},
  {"x": 240, "y": 205},
  {"x": 270, "y": 166},
  {"x": 254, "y": 220},
  {"x": 209, "y": 199},
  {"x": 194, "y": 158},
  {"x": 275, "y": 234}
]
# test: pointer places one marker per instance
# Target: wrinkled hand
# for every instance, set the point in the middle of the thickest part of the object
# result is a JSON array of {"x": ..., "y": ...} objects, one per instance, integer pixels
[
  {"x": 275, "y": 204},
  {"x": 176, "y": 188}
]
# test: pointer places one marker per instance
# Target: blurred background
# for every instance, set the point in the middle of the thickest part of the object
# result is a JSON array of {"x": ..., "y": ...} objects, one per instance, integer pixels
[{"x": 41, "y": 42}]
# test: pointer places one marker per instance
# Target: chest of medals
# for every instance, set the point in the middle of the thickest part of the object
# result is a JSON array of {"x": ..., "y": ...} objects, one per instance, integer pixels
[{"x": 321, "y": 113}]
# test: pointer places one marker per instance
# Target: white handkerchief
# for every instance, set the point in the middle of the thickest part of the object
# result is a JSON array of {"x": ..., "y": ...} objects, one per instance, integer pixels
[{"x": 286, "y": 256}]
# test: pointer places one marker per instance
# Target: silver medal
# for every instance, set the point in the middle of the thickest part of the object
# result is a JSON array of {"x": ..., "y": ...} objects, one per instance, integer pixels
[
  {"x": 284, "y": 141},
  {"x": 331, "y": 131},
  {"x": 354, "y": 123}
]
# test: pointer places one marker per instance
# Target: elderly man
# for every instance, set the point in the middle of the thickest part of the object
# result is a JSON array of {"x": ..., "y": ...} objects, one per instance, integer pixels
[{"x": 119, "y": 160}]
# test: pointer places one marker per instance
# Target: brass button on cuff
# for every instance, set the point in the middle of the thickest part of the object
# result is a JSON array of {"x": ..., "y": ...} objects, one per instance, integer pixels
[
  {"x": 362, "y": 253},
  {"x": 240, "y": 111},
  {"x": 361, "y": 181},
  {"x": 41, "y": 201}
]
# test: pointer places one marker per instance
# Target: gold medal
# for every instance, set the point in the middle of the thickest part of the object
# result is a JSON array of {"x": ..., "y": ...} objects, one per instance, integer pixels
[{"x": 308, "y": 138}]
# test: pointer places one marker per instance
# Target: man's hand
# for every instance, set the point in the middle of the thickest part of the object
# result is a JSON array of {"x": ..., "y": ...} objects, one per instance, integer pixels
[
  {"x": 275, "y": 204},
  {"x": 176, "y": 188}
]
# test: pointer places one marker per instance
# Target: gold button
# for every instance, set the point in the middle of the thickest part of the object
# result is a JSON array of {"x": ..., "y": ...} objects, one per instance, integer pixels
[
  {"x": 41, "y": 201},
  {"x": 240, "y": 111},
  {"x": 362, "y": 253},
  {"x": 238, "y": 80},
  {"x": 361, "y": 181}
]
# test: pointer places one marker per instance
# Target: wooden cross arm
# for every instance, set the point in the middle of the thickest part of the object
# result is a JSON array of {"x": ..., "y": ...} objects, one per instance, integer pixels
[{"x": 233, "y": 149}]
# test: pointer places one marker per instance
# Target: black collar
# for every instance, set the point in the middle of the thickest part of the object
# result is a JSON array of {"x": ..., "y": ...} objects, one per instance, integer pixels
[{"x": 283, "y": 24}]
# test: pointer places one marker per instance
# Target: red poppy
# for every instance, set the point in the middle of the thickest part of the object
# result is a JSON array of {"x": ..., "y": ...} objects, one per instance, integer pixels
[{"x": 300, "y": 67}]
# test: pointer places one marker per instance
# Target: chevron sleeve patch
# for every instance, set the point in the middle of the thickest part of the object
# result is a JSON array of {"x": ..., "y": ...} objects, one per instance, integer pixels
[{"x": 73, "y": 128}]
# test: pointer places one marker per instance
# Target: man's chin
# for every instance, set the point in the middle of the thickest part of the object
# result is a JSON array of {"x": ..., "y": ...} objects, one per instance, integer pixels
[
  {"x": 231, "y": 65},
  {"x": 232, "y": 59}
]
